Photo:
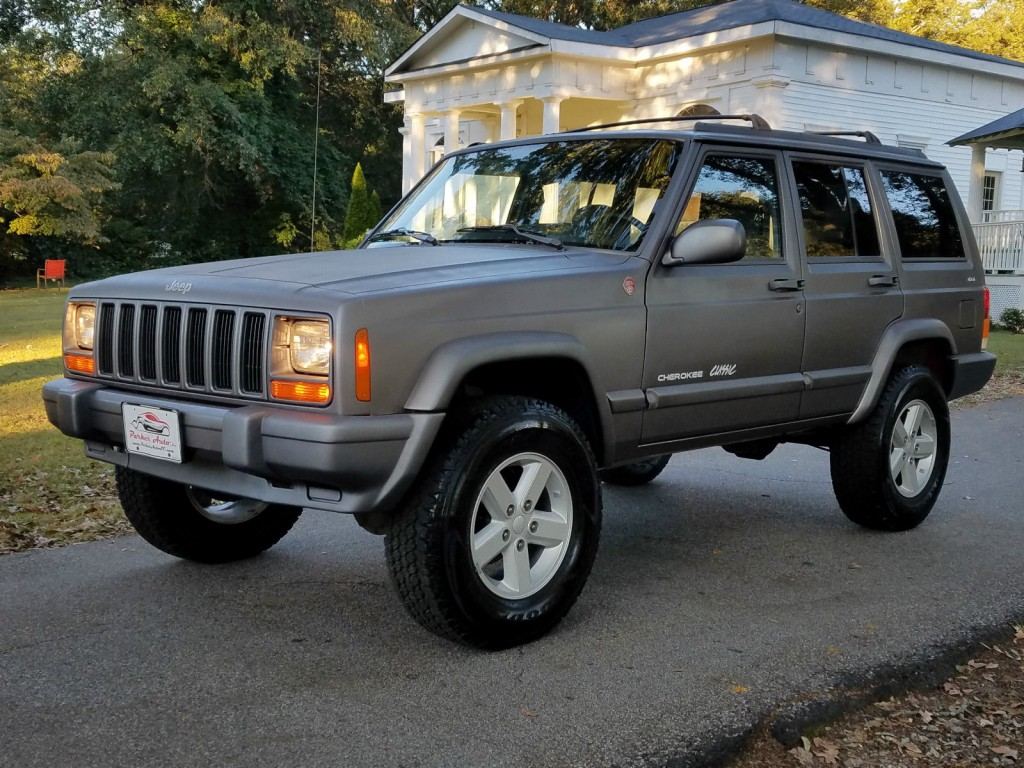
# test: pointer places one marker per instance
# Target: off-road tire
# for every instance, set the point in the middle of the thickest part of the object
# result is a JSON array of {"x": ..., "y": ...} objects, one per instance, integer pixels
[
  {"x": 859, "y": 457},
  {"x": 637, "y": 473},
  {"x": 162, "y": 513},
  {"x": 428, "y": 551}
]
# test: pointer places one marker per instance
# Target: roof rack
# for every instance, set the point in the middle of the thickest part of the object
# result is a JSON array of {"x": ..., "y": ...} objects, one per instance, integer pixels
[
  {"x": 868, "y": 136},
  {"x": 756, "y": 121}
]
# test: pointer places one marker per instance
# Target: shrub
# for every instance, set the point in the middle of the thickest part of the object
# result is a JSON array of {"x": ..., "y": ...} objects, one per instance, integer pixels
[{"x": 1012, "y": 319}]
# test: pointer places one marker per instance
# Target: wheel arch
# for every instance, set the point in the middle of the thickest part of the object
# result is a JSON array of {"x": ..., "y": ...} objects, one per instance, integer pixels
[
  {"x": 495, "y": 364},
  {"x": 922, "y": 341}
]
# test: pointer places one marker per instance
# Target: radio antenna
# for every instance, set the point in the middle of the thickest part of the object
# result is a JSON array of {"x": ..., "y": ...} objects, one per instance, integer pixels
[{"x": 316, "y": 147}]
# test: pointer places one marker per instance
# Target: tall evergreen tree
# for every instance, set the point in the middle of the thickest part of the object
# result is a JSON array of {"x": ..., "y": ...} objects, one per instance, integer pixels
[{"x": 360, "y": 215}]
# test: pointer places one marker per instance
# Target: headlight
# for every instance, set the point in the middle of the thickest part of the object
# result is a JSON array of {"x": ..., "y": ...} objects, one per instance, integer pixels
[
  {"x": 308, "y": 344},
  {"x": 79, "y": 326},
  {"x": 85, "y": 325},
  {"x": 79, "y": 332}
]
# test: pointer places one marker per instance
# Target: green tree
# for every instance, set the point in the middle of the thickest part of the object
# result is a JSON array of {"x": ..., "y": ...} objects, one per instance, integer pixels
[
  {"x": 377, "y": 208},
  {"x": 52, "y": 194},
  {"x": 360, "y": 214}
]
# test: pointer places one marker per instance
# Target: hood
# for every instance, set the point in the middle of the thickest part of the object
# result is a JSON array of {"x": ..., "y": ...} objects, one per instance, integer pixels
[{"x": 350, "y": 272}]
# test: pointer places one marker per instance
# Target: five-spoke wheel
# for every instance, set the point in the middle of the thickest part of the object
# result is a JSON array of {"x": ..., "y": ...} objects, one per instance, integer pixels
[
  {"x": 887, "y": 471},
  {"x": 521, "y": 525},
  {"x": 499, "y": 537}
]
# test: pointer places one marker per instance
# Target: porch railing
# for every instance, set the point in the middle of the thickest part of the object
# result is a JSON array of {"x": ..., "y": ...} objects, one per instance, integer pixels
[
  {"x": 996, "y": 217},
  {"x": 1001, "y": 245}
]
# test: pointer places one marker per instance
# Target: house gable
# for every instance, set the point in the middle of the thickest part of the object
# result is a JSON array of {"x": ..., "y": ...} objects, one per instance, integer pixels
[{"x": 464, "y": 35}]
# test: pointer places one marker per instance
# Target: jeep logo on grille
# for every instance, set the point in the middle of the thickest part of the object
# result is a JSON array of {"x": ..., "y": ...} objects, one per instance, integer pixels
[{"x": 176, "y": 286}]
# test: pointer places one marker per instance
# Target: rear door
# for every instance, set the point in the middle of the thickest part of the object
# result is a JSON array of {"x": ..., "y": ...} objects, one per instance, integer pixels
[
  {"x": 851, "y": 284},
  {"x": 724, "y": 341},
  {"x": 939, "y": 281}
]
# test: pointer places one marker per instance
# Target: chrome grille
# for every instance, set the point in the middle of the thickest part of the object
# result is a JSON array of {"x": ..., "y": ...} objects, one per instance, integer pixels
[{"x": 217, "y": 350}]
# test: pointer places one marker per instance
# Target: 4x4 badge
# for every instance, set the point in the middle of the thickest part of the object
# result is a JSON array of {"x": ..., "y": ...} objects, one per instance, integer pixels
[{"x": 629, "y": 286}]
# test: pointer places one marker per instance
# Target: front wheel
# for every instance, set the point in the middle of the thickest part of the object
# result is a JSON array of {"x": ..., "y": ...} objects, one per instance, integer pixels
[
  {"x": 888, "y": 470},
  {"x": 497, "y": 540},
  {"x": 194, "y": 525}
]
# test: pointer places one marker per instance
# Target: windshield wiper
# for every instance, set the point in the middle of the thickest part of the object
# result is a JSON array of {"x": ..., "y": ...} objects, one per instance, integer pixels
[
  {"x": 390, "y": 234},
  {"x": 523, "y": 234}
]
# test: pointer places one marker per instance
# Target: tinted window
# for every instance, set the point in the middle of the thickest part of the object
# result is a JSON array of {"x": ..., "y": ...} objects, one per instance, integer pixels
[
  {"x": 600, "y": 193},
  {"x": 741, "y": 188},
  {"x": 923, "y": 213},
  {"x": 836, "y": 210}
]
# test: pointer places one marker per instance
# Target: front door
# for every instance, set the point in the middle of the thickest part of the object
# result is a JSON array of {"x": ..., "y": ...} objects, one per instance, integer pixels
[
  {"x": 851, "y": 286},
  {"x": 724, "y": 341}
]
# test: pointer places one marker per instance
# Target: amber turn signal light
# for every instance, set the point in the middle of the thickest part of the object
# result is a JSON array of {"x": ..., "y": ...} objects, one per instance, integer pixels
[
  {"x": 80, "y": 364},
  {"x": 300, "y": 391},
  {"x": 363, "y": 365}
]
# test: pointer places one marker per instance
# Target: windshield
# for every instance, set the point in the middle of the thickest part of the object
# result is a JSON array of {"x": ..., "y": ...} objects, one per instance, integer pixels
[{"x": 599, "y": 193}]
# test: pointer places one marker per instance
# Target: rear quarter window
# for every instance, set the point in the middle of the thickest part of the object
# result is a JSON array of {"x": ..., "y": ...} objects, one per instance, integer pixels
[{"x": 926, "y": 224}]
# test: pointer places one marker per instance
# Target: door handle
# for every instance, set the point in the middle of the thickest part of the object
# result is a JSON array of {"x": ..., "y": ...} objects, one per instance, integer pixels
[
  {"x": 883, "y": 281},
  {"x": 786, "y": 284}
]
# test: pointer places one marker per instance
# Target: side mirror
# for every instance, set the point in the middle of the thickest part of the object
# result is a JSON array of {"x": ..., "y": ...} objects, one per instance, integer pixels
[{"x": 713, "y": 241}]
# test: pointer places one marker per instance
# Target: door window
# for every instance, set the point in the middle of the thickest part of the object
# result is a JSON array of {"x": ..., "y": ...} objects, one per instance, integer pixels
[
  {"x": 741, "y": 188},
  {"x": 922, "y": 210},
  {"x": 836, "y": 211}
]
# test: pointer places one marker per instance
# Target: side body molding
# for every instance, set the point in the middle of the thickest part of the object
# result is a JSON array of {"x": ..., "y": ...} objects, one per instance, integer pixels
[
  {"x": 450, "y": 363},
  {"x": 896, "y": 335}
]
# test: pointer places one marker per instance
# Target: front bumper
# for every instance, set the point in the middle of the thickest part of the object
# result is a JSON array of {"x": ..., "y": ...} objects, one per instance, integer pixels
[{"x": 277, "y": 455}]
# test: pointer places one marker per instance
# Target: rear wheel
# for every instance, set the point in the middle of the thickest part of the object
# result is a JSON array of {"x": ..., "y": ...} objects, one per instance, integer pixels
[
  {"x": 887, "y": 471},
  {"x": 194, "y": 524},
  {"x": 498, "y": 539},
  {"x": 637, "y": 473}
]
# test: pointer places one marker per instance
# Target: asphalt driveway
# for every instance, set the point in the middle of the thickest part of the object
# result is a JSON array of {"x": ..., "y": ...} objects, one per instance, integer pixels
[{"x": 722, "y": 591}]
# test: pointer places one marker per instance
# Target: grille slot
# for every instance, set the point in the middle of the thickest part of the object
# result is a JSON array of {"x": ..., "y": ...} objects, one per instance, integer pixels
[
  {"x": 171, "y": 345},
  {"x": 223, "y": 333},
  {"x": 125, "y": 337},
  {"x": 195, "y": 348},
  {"x": 105, "y": 347},
  {"x": 251, "y": 354},
  {"x": 147, "y": 342}
]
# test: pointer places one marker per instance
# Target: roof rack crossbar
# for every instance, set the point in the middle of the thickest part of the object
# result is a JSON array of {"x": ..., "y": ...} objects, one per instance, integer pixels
[
  {"x": 868, "y": 136},
  {"x": 755, "y": 121}
]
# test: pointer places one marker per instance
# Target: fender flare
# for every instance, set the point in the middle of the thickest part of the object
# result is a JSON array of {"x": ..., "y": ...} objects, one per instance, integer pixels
[
  {"x": 450, "y": 363},
  {"x": 896, "y": 335}
]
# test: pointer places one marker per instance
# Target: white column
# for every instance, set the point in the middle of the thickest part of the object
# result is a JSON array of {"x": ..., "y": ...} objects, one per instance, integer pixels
[
  {"x": 552, "y": 114},
  {"x": 974, "y": 192},
  {"x": 406, "y": 155},
  {"x": 451, "y": 131},
  {"x": 414, "y": 151},
  {"x": 508, "y": 119}
]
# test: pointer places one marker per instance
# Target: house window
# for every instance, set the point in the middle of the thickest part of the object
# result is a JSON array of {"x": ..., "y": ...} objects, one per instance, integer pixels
[
  {"x": 989, "y": 192},
  {"x": 698, "y": 110}
]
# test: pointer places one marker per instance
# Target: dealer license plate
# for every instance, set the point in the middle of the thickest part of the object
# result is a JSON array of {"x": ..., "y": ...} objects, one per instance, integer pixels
[{"x": 153, "y": 432}]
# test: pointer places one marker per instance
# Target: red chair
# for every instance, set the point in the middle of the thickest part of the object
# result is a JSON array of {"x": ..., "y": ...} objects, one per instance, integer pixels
[{"x": 53, "y": 269}]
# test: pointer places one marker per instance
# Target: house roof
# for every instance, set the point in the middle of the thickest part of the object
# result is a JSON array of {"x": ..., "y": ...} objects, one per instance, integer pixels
[
  {"x": 728, "y": 15},
  {"x": 1006, "y": 132}
]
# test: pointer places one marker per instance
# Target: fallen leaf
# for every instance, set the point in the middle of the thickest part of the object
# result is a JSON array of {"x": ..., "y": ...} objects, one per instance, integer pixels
[{"x": 1006, "y": 751}]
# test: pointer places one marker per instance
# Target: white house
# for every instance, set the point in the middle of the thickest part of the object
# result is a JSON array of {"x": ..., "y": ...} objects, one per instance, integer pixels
[{"x": 480, "y": 75}]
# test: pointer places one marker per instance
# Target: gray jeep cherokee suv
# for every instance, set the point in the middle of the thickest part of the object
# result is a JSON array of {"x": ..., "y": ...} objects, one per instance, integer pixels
[{"x": 537, "y": 316}]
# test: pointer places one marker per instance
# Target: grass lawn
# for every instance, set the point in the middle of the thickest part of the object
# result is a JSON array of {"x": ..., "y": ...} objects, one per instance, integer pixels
[{"x": 51, "y": 494}]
